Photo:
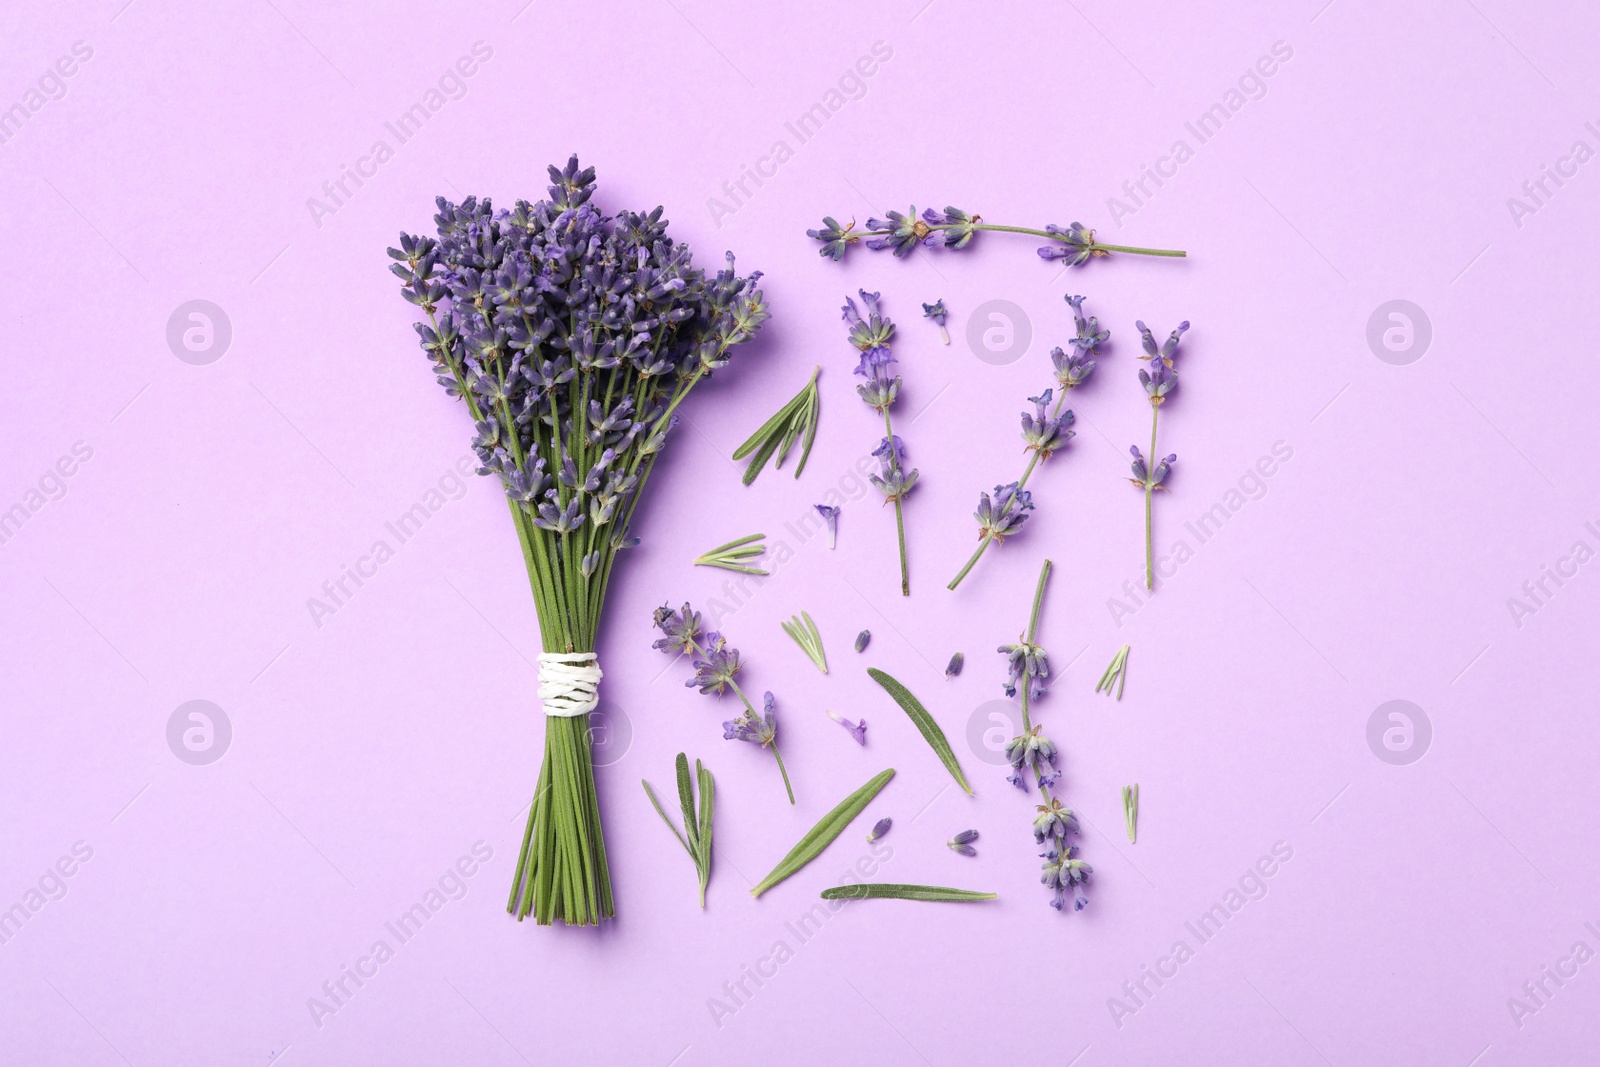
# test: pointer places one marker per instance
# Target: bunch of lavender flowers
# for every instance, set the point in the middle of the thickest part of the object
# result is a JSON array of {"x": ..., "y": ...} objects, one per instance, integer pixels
[
  {"x": 1159, "y": 382},
  {"x": 953, "y": 228},
  {"x": 871, "y": 336},
  {"x": 571, "y": 337},
  {"x": 1033, "y": 754},
  {"x": 1043, "y": 434},
  {"x": 716, "y": 666}
]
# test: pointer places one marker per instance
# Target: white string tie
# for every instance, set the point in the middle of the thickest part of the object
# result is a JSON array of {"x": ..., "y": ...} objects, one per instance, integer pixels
[{"x": 569, "y": 683}]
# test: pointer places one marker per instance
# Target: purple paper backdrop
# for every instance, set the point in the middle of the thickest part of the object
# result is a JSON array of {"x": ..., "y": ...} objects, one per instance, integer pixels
[{"x": 374, "y": 752}]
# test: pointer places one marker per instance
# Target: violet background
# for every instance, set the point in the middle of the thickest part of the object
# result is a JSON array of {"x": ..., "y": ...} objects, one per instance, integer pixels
[{"x": 370, "y": 753}]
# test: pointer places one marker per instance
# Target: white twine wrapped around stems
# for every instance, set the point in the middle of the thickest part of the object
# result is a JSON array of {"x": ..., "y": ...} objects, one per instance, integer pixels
[{"x": 569, "y": 683}]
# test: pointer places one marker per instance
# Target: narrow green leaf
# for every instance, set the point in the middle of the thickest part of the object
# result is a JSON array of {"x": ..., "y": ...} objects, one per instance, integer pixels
[
  {"x": 803, "y": 631},
  {"x": 760, "y": 460},
  {"x": 821, "y": 835},
  {"x": 707, "y": 791},
  {"x": 930, "y": 729},
  {"x": 811, "y": 432},
  {"x": 730, "y": 555},
  {"x": 651, "y": 793},
  {"x": 777, "y": 435},
  {"x": 686, "y": 800},
  {"x": 770, "y": 427},
  {"x": 896, "y": 891}
]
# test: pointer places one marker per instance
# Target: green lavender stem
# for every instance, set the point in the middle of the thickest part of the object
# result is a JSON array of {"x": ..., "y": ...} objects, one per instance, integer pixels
[
  {"x": 1094, "y": 246},
  {"x": 899, "y": 514},
  {"x": 1149, "y": 492},
  {"x": 1032, "y": 638}
]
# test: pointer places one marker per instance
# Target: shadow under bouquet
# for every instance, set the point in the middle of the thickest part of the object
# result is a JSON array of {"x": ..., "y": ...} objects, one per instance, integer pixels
[{"x": 571, "y": 337}]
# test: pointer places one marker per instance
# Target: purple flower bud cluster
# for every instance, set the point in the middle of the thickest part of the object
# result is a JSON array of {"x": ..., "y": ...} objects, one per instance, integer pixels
[
  {"x": 1142, "y": 476},
  {"x": 571, "y": 335},
  {"x": 1073, "y": 368},
  {"x": 1003, "y": 514},
  {"x": 1162, "y": 377},
  {"x": 757, "y": 729},
  {"x": 870, "y": 334},
  {"x": 1043, "y": 433},
  {"x": 1073, "y": 243}
]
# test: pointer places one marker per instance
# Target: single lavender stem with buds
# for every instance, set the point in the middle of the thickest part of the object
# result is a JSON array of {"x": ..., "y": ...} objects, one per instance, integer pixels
[
  {"x": 1028, "y": 667},
  {"x": 953, "y": 229},
  {"x": 870, "y": 336},
  {"x": 1003, "y": 514},
  {"x": 1159, "y": 382},
  {"x": 715, "y": 666}
]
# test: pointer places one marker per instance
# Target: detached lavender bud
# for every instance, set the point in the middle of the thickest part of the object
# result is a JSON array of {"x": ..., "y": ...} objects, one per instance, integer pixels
[
  {"x": 962, "y": 843},
  {"x": 937, "y": 311},
  {"x": 830, "y": 515},
  {"x": 862, "y": 640},
  {"x": 879, "y": 828},
  {"x": 954, "y": 669},
  {"x": 857, "y": 730}
]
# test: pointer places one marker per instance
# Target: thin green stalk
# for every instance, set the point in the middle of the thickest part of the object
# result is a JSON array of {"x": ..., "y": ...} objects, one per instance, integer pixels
[
  {"x": 783, "y": 771},
  {"x": 899, "y": 514},
  {"x": 1149, "y": 492},
  {"x": 1033, "y": 633},
  {"x": 1094, "y": 246}
]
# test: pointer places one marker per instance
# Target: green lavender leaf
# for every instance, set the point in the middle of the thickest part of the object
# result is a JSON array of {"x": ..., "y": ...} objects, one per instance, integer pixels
[
  {"x": 1130, "y": 810},
  {"x": 896, "y": 891},
  {"x": 808, "y": 637},
  {"x": 821, "y": 835},
  {"x": 1116, "y": 674},
  {"x": 930, "y": 729},
  {"x": 776, "y": 436},
  {"x": 731, "y": 556},
  {"x": 697, "y": 843}
]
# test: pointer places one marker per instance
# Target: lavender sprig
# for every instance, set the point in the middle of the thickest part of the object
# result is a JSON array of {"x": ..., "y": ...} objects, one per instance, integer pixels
[
  {"x": 1031, "y": 753},
  {"x": 871, "y": 335},
  {"x": 716, "y": 666},
  {"x": 953, "y": 229},
  {"x": 1159, "y": 381},
  {"x": 1043, "y": 434}
]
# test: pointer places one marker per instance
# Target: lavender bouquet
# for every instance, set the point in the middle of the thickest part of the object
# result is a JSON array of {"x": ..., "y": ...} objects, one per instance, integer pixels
[{"x": 571, "y": 337}]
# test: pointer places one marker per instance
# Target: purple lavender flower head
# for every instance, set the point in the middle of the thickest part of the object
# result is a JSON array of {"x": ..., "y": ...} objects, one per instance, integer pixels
[
  {"x": 1168, "y": 347},
  {"x": 857, "y": 730},
  {"x": 897, "y": 233},
  {"x": 894, "y": 482},
  {"x": 962, "y": 843},
  {"x": 1026, "y": 661},
  {"x": 758, "y": 730},
  {"x": 891, "y": 451},
  {"x": 959, "y": 227},
  {"x": 1003, "y": 514},
  {"x": 1043, "y": 433},
  {"x": 1159, "y": 381},
  {"x": 870, "y": 334},
  {"x": 830, "y": 515},
  {"x": 879, "y": 828},
  {"x": 835, "y": 238},
  {"x": 1073, "y": 244},
  {"x": 715, "y": 671},
  {"x": 681, "y": 629},
  {"x": 1030, "y": 750},
  {"x": 1053, "y": 821},
  {"x": 1062, "y": 872}
]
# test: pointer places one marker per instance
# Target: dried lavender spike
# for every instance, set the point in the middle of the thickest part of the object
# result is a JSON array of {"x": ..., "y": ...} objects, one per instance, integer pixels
[
  {"x": 953, "y": 228},
  {"x": 956, "y": 663},
  {"x": 962, "y": 843},
  {"x": 879, "y": 828},
  {"x": 863, "y": 639}
]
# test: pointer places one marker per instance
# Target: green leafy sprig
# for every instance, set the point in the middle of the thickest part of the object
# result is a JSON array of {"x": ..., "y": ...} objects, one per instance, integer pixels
[
  {"x": 732, "y": 556},
  {"x": 696, "y": 836},
  {"x": 1116, "y": 674},
  {"x": 776, "y": 436},
  {"x": 897, "y": 891},
  {"x": 805, "y": 634},
  {"x": 1130, "y": 809}
]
